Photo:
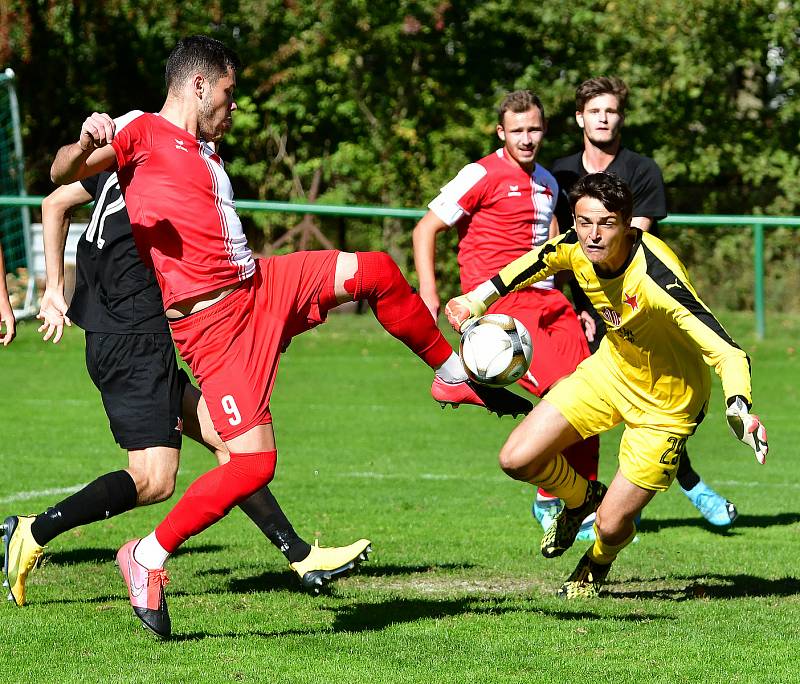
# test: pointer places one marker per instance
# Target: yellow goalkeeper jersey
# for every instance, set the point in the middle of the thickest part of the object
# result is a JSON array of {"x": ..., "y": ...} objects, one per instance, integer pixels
[{"x": 659, "y": 331}]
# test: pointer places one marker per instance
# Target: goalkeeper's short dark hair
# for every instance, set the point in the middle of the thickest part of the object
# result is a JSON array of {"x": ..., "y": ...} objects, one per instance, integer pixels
[{"x": 613, "y": 193}]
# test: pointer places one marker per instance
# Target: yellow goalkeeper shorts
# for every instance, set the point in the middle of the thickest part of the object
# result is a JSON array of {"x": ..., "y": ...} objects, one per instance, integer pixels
[{"x": 594, "y": 401}]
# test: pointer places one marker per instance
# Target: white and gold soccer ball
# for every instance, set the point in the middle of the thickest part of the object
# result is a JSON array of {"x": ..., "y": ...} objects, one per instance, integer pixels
[{"x": 496, "y": 350}]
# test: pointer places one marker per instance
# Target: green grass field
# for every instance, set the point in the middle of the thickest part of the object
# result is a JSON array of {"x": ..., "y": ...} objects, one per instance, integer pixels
[{"x": 455, "y": 590}]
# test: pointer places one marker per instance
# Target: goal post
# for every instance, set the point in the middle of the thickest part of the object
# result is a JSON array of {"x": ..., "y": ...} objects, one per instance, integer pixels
[{"x": 15, "y": 223}]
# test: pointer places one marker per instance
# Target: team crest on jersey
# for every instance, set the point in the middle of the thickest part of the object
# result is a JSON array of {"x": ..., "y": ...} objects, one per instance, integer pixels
[
  {"x": 513, "y": 191},
  {"x": 180, "y": 145},
  {"x": 631, "y": 301},
  {"x": 611, "y": 316}
]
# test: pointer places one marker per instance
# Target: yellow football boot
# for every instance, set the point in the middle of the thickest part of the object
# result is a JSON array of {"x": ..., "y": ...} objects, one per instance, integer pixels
[
  {"x": 586, "y": 579},
  {"x": 325, "y": 563},
  {"x": 565, "y": 526},
  {"x": 21, "y": 555}
]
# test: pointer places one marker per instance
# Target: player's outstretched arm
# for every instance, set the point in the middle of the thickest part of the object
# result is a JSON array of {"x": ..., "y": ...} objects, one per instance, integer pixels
[
  {"x": 8, "y": 324},
  {"x": 90, "y": 155},
  {"x": 747, "y": 427},
  {"x": 538, "y": 264},
  {"x": 56, "y": 210}
]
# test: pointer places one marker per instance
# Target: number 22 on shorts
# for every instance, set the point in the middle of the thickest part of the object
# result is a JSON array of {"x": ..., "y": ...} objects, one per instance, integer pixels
[{"x": 229, "y": 406}]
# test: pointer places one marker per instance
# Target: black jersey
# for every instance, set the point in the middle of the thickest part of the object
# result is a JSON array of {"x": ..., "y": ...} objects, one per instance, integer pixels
[
  {"x": 114, "y": 291},
  {"x": 640, "y": 173}
]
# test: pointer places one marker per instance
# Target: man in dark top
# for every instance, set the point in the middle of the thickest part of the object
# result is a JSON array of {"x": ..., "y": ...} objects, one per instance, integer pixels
[
  {"x": 600, "y": 113},
  {"x": 149, "y": 400}
]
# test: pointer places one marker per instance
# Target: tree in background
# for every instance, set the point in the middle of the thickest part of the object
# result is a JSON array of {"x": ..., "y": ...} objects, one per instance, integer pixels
[{"x": 359, "y": 102}]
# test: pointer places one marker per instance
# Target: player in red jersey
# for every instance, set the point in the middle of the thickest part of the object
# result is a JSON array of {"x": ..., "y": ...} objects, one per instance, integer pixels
[
  {"x": 503, "y": 205},
  {"x": 230, "y": 315},
  {"x": 6, "y": 312}
]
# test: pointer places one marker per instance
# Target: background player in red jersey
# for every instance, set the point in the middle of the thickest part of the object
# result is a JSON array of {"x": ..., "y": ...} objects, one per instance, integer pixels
[
  {"x": 231, "y": 314},
  {"x": 6, "y": 312},
  {"x": 600, "y": 112},
  {"x": 149, "y": 401},
  {"x": 502, "y": 206}
]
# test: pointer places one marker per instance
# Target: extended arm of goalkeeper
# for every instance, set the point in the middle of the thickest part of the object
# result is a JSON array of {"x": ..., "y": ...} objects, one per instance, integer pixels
[
  {"x": 463, "y": 309},
  {"x": 747, "y": 428}
]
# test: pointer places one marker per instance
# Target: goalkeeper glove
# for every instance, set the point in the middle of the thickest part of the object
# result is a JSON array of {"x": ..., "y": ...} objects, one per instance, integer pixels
[
  {"x": 462, "y": 309},
  {"x": 746, "y": 427}
]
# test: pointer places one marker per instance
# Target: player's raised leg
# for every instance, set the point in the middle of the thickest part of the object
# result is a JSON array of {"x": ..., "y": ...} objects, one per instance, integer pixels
[
  {"x": 374, "y": 277},
  {"x": 534, "y": 453}
]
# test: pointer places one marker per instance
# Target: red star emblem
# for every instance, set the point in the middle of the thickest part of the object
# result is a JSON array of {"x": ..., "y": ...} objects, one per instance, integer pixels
[{"x": 630, "y": 300}]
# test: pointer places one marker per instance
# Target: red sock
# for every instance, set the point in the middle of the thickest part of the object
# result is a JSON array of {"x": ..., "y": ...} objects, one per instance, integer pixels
[
  {"x": 397, "y": 307},
  {"x": 212, "y": 495},
  {"x": 584, "y": 457}
]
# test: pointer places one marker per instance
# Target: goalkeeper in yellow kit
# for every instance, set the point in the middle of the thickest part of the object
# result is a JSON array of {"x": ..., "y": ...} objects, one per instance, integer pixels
[{"x": 649, "y": 373}]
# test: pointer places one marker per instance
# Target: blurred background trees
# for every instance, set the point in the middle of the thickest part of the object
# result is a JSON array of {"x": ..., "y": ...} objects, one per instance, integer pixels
[{"x": 357, "y": 102}]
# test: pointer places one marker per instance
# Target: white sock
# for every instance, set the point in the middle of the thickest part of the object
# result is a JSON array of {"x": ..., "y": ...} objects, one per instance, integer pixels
[
  {"x": 150, "y": 553},
  {"x": 451, "y": 370}
]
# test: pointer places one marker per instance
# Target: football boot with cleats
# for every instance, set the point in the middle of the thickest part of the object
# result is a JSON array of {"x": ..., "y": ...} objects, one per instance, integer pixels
[
  {"x": 562, "y": 533},
  {"x": 21, "y": 554},
  {"x": 145, "y": 591},
  {"x": 586, "y": 579},
  {"x": 712, "y": 506},
  {"x": 495, "y": 400},
  {"x": 325, "y": 563}
]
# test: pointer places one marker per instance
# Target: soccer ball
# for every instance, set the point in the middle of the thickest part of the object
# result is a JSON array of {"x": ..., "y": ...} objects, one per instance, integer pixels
[{"x": 496, "y": 350}]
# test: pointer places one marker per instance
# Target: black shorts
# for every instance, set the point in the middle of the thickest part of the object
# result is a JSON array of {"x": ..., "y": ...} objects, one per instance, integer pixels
[{"x": 141, "y": 385}]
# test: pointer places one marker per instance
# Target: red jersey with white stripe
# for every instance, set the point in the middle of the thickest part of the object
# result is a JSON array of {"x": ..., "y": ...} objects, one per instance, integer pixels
[
  {"x": 501, "y": 212},
  {"x": 180, "y": 203}
]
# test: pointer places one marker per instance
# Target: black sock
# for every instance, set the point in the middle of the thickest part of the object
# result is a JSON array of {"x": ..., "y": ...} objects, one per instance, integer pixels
[
  {"x": 687, "y": 477},
  {"x": 109, "y": 495},
  {"x": 264, "y": 511}
]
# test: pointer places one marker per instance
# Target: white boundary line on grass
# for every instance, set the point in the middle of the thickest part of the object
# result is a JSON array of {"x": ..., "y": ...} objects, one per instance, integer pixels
[{"x": 24, "y": 496}]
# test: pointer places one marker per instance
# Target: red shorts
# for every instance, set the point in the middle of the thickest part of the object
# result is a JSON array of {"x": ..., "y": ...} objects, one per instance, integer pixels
[
  {"x": 234, "y": 345},
  {"x": 559, "y": 344}
]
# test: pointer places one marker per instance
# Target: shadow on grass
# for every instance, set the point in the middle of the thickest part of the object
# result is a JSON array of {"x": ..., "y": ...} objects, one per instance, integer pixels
[
  {"x": 108, "y": 554},
  {"x": 743, "y": 521},
  {"x": 363, "y": 617},
  {"x": 711, "y": 587},
  {"x": 200, "y": 636},
  {"x": 376, "y": 616},
  {"x": 283, "y": 581}
]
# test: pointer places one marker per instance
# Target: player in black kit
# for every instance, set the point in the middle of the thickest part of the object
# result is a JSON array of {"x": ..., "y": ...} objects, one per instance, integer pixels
[{"x": 149, "y": 400}]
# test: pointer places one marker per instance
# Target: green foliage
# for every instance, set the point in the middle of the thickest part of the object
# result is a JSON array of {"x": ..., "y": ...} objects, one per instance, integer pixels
[{"x": 382, "y": 103}]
